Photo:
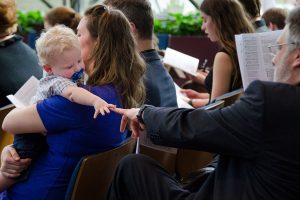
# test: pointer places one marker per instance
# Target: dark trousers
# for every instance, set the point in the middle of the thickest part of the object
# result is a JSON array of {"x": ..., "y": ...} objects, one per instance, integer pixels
[
  {"x": 30, "y": 145},
  {"x": 140, "y": 177}
]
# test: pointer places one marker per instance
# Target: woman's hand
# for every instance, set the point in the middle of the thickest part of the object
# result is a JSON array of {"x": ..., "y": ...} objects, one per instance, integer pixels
[
  {"x": 11, "y": 164},
  {"x": 197, "y": 103},
  {"x": 130, "y": 114},
  {"x": 191, "y": 94},
  {"x": 200, "y": 76}
]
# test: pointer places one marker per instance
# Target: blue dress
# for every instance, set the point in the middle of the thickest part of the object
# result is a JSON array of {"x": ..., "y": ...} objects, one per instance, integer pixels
[{"x": 71, "y": 134}]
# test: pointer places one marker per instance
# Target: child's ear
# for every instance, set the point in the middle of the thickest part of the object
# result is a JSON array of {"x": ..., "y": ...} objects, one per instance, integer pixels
[{"x": 47, "y": 68}]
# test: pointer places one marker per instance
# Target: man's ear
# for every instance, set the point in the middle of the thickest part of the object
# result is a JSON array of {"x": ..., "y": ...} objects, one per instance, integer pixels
[
  {"x": 133, "y": 28},
  {"x": 296, "y": 58},
  {"x": 47, "y": 68}
]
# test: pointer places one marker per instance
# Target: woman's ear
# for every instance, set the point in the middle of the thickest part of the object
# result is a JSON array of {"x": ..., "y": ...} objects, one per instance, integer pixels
[{"x": 47, "y": 68}]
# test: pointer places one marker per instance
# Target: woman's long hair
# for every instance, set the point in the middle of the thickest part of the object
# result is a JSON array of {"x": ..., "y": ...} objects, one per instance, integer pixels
[
  {"x": 229, "y": 19},
  {"x": 115, "y": 58}
]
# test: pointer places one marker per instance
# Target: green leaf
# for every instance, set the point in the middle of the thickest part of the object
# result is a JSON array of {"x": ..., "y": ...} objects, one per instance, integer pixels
[
  {"x": 179, "y": 24},
  {"x": 28, "y": 21}
]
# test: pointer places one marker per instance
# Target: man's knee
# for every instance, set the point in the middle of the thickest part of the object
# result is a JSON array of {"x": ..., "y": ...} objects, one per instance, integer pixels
[{"x": 134, "y": 160}]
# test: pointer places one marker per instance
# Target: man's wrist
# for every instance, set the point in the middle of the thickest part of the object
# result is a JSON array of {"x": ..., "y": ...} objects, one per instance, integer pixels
[
  {"x": 190, "y": 102},
  {"x": 140, "y": 115}
]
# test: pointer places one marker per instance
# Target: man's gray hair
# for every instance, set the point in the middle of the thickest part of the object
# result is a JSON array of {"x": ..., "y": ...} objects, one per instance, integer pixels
[{"x": 293, "y": 23}]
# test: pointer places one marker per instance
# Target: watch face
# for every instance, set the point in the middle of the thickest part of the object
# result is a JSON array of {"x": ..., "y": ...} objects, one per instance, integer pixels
[{"x": 140, "y": 114}]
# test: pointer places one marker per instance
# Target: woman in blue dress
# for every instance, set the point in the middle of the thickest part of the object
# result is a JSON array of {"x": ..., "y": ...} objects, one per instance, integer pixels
[{"x": 115, "y": 72}]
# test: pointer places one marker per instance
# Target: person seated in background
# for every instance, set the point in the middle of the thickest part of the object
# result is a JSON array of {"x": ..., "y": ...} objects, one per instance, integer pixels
[
  {"x": 297, "y": 3},
  {"x": 110, "y": 56},
  {"x": 258, "y": 141},
  {"x": 17, "y": 60},
  {"x": 62, "y": 15},
  {"x": 252, "y": 8},
  {"x": 225, "y": 74},
  {"x": 59, "y": 53},
  {"x": 275, "y": 18},
  {"x": 160, "y": 89}
]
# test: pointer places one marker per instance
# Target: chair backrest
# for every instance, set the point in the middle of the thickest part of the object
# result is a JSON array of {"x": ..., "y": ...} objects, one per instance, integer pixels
[
  {"x": 92, "y": 176},
  {"x": 164, "y": 158},
  {"x": 215, "y": 105},
  {"x": 5, "y": 138},
  {"x": 230, "y": 97},
  {"x": 190, "y": 160},
  {"x": 183, "y": 160}
]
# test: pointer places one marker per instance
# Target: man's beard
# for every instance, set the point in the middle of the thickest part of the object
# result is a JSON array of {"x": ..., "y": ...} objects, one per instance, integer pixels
[{"x": 282, "y": 72}]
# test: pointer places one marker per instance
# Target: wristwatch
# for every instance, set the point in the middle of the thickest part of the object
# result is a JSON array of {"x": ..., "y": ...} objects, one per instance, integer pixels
[{"x": 140, "y": 114}]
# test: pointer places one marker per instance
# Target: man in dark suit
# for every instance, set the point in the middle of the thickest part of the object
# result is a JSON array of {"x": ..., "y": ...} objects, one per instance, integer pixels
[
  {"x": 257, "y": 138},
  {"x": 160, "y": 89}
]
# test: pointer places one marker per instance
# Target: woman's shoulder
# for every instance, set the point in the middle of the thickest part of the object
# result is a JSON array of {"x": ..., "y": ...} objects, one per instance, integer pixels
[
  {"x": 223, "y": 53},
  {"x": 107, "y": 92},
  {"x": 222, "y": 58},
  {"x": 99, "y": 89}
]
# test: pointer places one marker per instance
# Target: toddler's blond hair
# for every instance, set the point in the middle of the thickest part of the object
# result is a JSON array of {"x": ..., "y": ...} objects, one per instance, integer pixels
[{"x": 54, "y": 42}]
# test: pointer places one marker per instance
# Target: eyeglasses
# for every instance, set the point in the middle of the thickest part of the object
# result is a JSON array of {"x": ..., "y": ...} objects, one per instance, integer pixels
[{"x": 275, "y": 48}]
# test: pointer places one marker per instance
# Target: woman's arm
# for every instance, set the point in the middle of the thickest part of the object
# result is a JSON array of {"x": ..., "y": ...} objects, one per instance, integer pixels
[
  {"x": 23, "y": 120},
  {"x": 222, "y": 74},
  {"x": 192, "y": 94}
]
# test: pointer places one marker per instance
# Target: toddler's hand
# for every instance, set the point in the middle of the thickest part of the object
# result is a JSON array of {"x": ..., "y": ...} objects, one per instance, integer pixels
[{"x": 102, "y": 107}]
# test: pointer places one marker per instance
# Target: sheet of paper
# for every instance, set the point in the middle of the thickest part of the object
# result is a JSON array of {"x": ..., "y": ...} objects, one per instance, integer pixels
[
  {"x": 180, "y": 73},
  {"x": 25, "y": 93},
  {"x": 254, "y": 56},
  {"x": 182, "y": 100},
  {"x": 137, "y": 148},
  {"x": 181, "y": 61}
]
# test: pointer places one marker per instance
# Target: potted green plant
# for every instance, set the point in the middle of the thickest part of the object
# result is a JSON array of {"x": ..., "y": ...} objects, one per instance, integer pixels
[
  {"x": 30, "y": 25},
  {"x": 184, "y": 33},
  {"x": 179, "y": 24}
]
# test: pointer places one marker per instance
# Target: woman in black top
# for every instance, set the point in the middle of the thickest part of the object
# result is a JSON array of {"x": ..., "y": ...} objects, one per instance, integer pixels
[{"x": 225, "y": 75}]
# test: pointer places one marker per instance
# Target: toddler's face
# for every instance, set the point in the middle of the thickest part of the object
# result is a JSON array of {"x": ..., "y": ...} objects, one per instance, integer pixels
[{"x": 67, "y": 63}]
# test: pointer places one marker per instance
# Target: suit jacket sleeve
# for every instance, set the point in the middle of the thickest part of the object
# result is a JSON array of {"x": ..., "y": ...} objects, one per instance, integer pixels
[{"x": 235, "y": 130}]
